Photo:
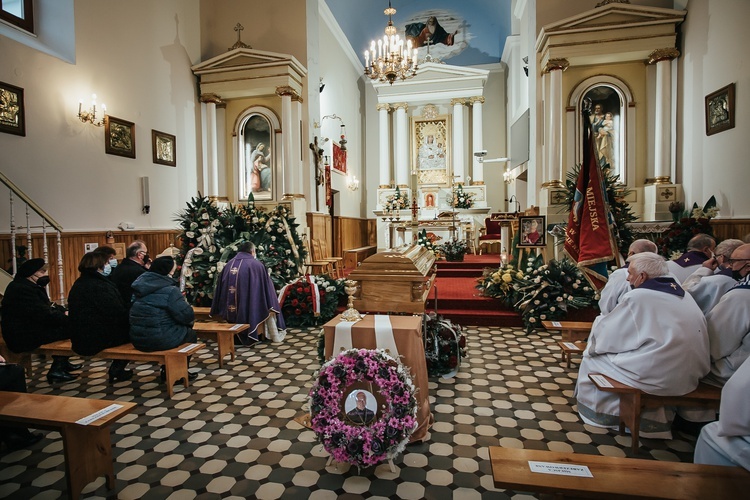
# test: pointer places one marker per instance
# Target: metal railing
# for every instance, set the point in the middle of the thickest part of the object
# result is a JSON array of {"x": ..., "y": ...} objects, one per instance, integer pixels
[{"x": 47, "y": 223}]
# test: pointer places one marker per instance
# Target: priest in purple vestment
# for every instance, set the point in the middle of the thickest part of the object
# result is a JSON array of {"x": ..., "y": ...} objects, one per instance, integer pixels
[{"x": 245, "y": 294}]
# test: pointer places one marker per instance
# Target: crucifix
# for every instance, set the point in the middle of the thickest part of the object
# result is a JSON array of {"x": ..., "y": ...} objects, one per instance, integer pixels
[
  {"x": 239, "y": 44},
  {"x": 317, "y": 152}
]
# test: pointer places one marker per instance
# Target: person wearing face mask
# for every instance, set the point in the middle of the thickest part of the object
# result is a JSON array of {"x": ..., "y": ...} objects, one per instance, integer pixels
[
  {"x": 110, "y": 254},
  {"x": 729, "y": 322},
  {"x": 714, "y": 278},
  {"x": 29, "y": 319},
  {"x": 617, "y": 283},
  {"x": 700, "y": 248},
  {"x": 134, "y": 264},
  {"x": 98, "y": 316},
  {"x": 654, "y": 339},
  {"x": 160, "y": 318}
]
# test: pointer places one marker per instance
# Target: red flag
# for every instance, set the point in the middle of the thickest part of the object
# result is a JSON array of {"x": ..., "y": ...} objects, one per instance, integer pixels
[{"x": 588, "y": 235}]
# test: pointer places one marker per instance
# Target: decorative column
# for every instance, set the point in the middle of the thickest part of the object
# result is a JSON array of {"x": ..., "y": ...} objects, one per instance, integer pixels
[
  {"x": 287, "y": 125},
  {"x": 401, "y": 143},
  {"x": 663, "y": 114},
  {"x": 458, "y": 139},
  {"x": 297, "y": 162},
  {"x": 210, "y": 146},
  {"x": 554, "y": 174},
  {"x": 477, "y": 171},
  {"x": 385, "y": 146}
]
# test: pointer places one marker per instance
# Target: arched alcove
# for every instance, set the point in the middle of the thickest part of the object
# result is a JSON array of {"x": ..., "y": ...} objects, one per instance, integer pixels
[{"x": 256, "y": 157}]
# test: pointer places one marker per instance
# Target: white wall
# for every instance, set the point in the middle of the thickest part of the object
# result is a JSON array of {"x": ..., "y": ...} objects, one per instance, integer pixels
[
  {"x": 715, "y": 54},
  {"x": 136, "y": 57}
]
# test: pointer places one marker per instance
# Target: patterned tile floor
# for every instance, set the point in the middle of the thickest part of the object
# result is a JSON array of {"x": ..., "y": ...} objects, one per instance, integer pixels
[{"x": 232, "y": 434}]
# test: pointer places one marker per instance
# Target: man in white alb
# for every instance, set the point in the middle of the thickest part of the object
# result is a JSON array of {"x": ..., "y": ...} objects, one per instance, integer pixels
[
  {"x": 714, "y": 278},
  {"x": 699, "y": 249},
  {"x": 617, "y": 283}
]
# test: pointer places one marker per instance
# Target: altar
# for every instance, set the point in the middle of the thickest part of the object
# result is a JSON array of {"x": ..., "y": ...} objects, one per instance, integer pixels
[
  {"x": 395, "y": 230},
  {"x": 407, "y": 333}
]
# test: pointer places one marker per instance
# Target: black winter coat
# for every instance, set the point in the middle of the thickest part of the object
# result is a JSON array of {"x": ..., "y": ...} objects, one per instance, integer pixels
[
  {"x": 123, "y": 276},
  {"x": 29, "y": 319},
  {"x": 160, "y": 317},
  {"x": 98, "y": 316}
]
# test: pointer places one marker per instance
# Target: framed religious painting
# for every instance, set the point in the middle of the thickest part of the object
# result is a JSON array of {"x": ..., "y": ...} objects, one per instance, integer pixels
[
  {"x": 339, "y": 159},
  {"x": 12, "y": 110},
  {"x": 163, "y": 148},
  {"x": 257, "y": 160},
  {"x": 431, "y": 150},
  {"x": 119, "y": 137},
  {"x": 533, "y": 233},
  {"x": 720, "y": 110}
]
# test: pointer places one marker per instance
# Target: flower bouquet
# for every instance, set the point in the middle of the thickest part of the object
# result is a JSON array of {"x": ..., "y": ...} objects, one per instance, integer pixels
[
  {"x": 673, "y": 242},
  {"x": 428, "y": 241},
  {"x": 389, "y": 424},
  {"x": 397, "y": 201},
  {"x": 462, "y": 199},
  {"x": 502, "y": 283},
  {"x": 453, "y": 250},
  {"x": 445, "y": 345},
  {"x": 310, "y": 300}
]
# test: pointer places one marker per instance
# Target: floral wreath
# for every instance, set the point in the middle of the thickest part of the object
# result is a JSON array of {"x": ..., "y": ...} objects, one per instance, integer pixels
[
  {"x": 445, "y": 346},
  {"x": 387, "y": 434}
]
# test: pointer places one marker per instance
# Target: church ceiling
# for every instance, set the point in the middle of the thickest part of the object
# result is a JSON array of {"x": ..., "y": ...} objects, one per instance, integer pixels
[{"x": 468, "y": 32}]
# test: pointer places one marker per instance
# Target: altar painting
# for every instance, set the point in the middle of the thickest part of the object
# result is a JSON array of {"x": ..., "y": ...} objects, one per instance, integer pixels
[{"x": 431, "y": 149}]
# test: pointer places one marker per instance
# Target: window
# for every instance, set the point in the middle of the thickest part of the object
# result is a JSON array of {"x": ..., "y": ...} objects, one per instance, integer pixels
[{"x": 18, "y": 13}]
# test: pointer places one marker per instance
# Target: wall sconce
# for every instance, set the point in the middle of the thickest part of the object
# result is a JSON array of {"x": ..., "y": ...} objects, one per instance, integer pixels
[
  {"x": 343, "y": 141},
  {"x": 352, "y": 182},
  {"x": 90, "y": 115}
]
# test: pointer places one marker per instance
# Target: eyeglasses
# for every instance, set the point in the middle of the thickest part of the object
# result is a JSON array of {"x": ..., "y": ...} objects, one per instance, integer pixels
[{"x": 732, "y": 261}]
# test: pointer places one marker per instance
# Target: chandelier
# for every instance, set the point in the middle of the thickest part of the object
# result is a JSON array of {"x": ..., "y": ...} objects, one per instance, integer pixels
[{"x": 389, "y": 58}]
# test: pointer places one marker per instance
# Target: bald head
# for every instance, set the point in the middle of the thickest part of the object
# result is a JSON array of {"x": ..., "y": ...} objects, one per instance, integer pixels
[
  {"x": 642, "y": 245},
  {"x": 741, "y": 261},
  {"x": 702, "y": 243}
]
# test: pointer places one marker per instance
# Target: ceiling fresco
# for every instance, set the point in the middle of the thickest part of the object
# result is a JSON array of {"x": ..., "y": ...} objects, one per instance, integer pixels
[{"x": 460, "y": 32}]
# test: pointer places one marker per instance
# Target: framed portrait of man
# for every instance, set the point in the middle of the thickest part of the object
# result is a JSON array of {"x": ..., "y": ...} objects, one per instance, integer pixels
[
  {"x": 533, "y": 232},
  {"x": 431, "y": 149}
]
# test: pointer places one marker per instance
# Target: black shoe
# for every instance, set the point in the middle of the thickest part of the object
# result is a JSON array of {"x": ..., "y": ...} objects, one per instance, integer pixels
[
  {"x": 60, "y": 376},
  {"x": 17, "y": 441},
  {"x": 120, "y": 376},
  {"x": 71, "y": 367},
  {"x": 192, "y": 376}
]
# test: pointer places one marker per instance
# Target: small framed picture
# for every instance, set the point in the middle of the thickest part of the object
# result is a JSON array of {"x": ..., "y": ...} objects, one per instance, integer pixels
[
  {"x": 720, "y": 110},
  {"x": 12, "y": 110},
  {"x": 119, "y": 137},
  {"x": 533, "y": 231},
  {"x": 163, "y": 147}
]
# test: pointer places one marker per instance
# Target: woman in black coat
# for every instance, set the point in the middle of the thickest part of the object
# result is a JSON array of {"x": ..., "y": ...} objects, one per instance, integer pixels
[{"x": 98, "y": 316}]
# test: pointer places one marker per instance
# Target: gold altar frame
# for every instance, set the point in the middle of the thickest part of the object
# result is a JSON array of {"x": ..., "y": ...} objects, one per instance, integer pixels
[{"x": 434, "y": 171}]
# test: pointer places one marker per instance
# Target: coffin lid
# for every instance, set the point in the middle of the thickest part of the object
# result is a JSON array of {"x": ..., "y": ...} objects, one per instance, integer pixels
[{"x": 409, "y": 262}]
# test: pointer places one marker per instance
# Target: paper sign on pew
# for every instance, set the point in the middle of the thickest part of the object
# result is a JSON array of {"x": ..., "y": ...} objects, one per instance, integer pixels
[
  {"x": 601, "y": 381},
  {"x": 188, "y": 348},
  {"x": 572, "y": 346},
  {"x": 560, "y": 469},
  {"x": 99, "y": 414},
  {"x": 556, "y": 324},
  {"x": 239, "y": 326}
]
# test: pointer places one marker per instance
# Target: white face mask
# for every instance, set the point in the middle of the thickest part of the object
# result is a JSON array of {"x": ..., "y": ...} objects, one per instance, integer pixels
[
  {"x": 107, "y": 269},
  {"x": 113, "y": 263}
]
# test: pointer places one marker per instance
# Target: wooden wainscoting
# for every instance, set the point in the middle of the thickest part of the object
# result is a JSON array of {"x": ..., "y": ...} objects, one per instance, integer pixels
[
  {"x": 350, "y": 232},
  {"x": 730, "y": 228},
  {"x": 72, "y": 246}
]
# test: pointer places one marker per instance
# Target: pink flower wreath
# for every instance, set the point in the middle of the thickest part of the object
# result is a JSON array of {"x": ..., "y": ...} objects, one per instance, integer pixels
[{"x": 387, "y": 435}]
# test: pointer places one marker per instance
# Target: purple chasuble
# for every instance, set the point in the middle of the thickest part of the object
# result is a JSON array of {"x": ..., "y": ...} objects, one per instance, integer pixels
[
  {"x": 664, "y": 284},
  {"x": 691, "y": 258},
  {"x": 245, "y": 294}
]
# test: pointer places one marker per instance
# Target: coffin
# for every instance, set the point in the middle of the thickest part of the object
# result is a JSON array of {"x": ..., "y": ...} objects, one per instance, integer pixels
[{"x": 398, "y": 280}]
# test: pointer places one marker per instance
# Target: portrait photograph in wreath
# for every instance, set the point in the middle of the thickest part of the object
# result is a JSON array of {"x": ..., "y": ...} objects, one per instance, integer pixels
[{"x": 533, "y": 233}]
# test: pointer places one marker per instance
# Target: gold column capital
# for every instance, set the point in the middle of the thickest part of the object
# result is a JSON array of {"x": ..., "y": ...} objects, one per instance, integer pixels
[
  {"x": 460, "y": 101},
  {"x": 286, "y": 90},
  {"x": 666, "y": 54},
  {"x": 400, "y": 105},
  {"x": 211, "y": 98},
  {"x": 476, "y": 99},
  {"x": 381, "y": 107},
  {"x": 555, "y": 64}
]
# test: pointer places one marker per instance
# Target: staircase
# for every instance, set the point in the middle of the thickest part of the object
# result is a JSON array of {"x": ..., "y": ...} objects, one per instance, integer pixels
[
  {"x": 460, "y": 301},
  {"x": 36, "y": 219}
]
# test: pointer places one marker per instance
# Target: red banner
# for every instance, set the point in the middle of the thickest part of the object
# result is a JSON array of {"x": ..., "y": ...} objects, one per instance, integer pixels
[
  {"x": 588, "y": 235},
  {"x": 329, "y": 194}
]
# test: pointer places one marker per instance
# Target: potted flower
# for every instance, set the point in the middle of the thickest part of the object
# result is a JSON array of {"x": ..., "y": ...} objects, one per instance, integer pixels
[
  {"x": 454, "y": 250},
  {"x": 462, "y": 199}
]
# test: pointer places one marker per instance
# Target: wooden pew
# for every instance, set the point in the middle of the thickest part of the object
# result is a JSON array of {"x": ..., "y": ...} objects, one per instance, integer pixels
[
  {"x": 174, "y": 360},
  {"x": 86, "y": 446},
  {"x": 633, "y": 401},
  {"x": 615, "y": 477},
  {"x": 570, "y": 348},
  {"x": 570, "y": 331},
  {"x": 354, "y": 256},
  {"x": 204, "y": 314},
  {"x": 221, "y": 333}
]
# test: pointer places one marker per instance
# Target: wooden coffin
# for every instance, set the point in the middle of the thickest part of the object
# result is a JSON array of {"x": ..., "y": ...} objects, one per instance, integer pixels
[{"x": 397, "y": 280}]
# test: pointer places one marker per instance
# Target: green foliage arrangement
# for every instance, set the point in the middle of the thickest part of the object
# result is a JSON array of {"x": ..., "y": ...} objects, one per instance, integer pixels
[
  {"x": 462, "y": 199},
  {"x": 673, "y": 242}
]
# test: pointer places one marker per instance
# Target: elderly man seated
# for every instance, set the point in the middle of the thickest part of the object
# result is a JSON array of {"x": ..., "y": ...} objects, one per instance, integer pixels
[
  {"x": 245, "y": 294},
  {"x": 655, "y": 340},
  {"x": 714, "y": 278},
  {"x": 617, "y": 284},
  {"x": 699, "y": 249},
  {"x": 727, "y": 442},
  {"x": 729, "y": 322}
]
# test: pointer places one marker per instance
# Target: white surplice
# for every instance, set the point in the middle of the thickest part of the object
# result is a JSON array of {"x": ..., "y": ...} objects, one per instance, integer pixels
[
  {"x": 728, "y": 328},
  {"x": 727, "y": 442},
  {"x": 682, "y": 273},
  {"x": 617, "y": 286},
  {"x": 652, "y": 340},
  {"x": 709, "y": 289}
]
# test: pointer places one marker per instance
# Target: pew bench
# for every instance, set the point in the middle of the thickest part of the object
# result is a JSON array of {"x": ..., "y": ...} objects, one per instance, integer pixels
[
  {"x": 84, "y": 426},
  {"x": 570, "y": 348},
  {"x": 570, "y": 331},
  {"x": 174, "y": 360},
  {"x": 614, "y": 477},
  {"x": 221, "y": 333},
  {"x": 633, "y": 401},
  {"x": 204, "y": 314},
  {"x": 354, "y": 256}
]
